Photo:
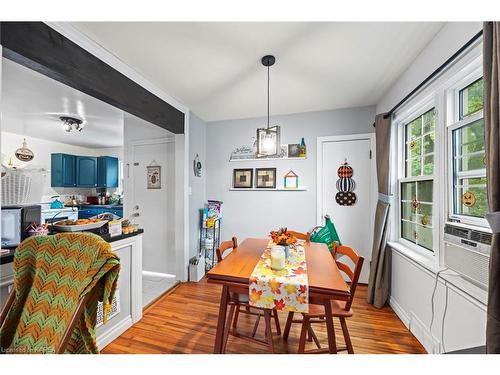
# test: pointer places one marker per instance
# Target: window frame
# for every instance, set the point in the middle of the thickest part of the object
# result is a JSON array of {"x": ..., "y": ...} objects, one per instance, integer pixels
[
  {"x": 453, "y": 122},
  {"x": 404, "y": 118}
]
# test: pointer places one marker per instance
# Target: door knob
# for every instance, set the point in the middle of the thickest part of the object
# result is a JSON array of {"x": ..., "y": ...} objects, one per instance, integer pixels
[{"x": 136, "y": 214}]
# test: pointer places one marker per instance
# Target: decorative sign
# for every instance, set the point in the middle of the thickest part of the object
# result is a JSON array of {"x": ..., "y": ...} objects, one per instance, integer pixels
[
  {"x": 415, "y": 204},
  {"x": 468, "y": 199},
  {"x": 345, "y": 186},
  {"x": 413, "y": 144},
  {"x": 154, "y": 177},
  {"x": 24, "y": 153},
  {"x": 291, "y": 180},
  {"x": 197, "y": 166}
]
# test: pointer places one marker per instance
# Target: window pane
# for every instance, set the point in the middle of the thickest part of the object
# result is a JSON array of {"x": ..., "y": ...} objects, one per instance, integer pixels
[
  {"x": 406, "y": 211},
  {"x": 472, "y": 162},
  {"x": 429, "y": 143},
  {"x": 424, "y": 191},
  {"x": 408, "y": 190},
  {"x": 414, "y": 167},
  {"x": 472, "y": 197},
  {"x": 471, "y": 99},
  {"x": 414, "y": 129},
  {"x": 428, "y": 165},
  {"x": 429, "y": 120},
  {"x": 424, "y": 237},
  {"x": 471, "y": 138},
  {"x": 408, "y": 231}
]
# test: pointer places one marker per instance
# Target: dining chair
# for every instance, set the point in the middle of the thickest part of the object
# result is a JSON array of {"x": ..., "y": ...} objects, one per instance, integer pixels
[
  {"x": 301, "y": 236},
  {"x": 239, "y": 303},
  {"x": 340, "y": 309}
]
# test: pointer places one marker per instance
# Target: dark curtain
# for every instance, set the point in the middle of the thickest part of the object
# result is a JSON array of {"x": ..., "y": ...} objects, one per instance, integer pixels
[
  {"x": 380, "y": 267},
  {"x": 491, "y": 67}
]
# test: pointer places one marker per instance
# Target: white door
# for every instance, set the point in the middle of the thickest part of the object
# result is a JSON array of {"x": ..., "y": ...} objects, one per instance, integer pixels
[
  {"x": 153, "y": 209},
  {"x": 354, "y": 223}
]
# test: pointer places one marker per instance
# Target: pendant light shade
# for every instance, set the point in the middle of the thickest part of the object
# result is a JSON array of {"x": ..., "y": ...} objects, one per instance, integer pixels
[{"x": 268, "y": 138}]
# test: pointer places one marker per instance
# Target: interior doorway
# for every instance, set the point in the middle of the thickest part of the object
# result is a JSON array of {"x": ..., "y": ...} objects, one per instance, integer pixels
[
  {"x": 152, "y": 207},
  {"x": 353, "y": 221}
]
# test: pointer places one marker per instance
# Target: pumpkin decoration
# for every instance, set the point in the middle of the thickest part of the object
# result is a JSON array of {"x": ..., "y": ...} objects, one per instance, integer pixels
[
  {"x": 468, "y": 199},
  {"x": 345, "y": 186},
  {"x": 415, "y": 204}
]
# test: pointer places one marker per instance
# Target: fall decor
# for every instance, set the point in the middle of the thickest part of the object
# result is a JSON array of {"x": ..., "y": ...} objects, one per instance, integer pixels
[
  {"x": 345, "y": 186},
  {"x": 283, "y": 237}
]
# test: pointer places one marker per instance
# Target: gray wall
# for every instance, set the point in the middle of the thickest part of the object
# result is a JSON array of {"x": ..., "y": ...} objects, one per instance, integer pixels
[
  {"x": 255, "y": 213},
  {"x": 197, "y": 198}
]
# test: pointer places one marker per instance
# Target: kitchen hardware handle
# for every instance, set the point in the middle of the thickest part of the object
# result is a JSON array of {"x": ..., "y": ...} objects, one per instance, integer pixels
[{"x": 128, "y": 170}]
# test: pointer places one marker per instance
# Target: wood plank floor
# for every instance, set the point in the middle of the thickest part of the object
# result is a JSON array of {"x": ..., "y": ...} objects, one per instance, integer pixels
[{"x": 185, "y": 321}]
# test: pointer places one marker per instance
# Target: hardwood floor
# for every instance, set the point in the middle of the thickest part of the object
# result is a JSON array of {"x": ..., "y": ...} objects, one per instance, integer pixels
[{"x": 184, "y": 321}]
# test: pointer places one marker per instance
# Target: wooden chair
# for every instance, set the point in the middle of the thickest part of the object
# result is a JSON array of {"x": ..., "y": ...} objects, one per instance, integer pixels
[
  {"x": 340, "y": 309},
  {"x": 239, "y": 303},
  {"x": 301, "y": 236}
]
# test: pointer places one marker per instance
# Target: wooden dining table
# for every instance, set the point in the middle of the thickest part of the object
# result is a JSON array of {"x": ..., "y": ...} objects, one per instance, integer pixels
[{"x": 233, "y": 273}]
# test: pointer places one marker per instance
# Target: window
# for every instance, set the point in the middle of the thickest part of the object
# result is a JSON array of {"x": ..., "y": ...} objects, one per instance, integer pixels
[
  {"x": 416, "y": 186},
  {"x": 468, "y": 160}
]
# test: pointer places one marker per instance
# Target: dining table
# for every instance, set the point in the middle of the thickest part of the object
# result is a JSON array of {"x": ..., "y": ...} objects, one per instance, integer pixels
[{"x": 233, "y": 273}]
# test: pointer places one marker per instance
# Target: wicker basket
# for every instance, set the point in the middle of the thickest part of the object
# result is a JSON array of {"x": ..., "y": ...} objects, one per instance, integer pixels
[{"x": 22, "y": 186}]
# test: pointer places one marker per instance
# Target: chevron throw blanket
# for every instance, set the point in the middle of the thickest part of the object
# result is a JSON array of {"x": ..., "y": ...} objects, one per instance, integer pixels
[{"x": 52, "y": 274}]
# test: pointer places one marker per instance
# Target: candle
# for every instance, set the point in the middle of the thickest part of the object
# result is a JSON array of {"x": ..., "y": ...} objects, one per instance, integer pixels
[{"x": 278, "y": 258}]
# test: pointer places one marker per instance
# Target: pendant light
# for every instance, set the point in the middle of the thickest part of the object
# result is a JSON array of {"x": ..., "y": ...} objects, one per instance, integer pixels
[{"x": 268, "y": 138}]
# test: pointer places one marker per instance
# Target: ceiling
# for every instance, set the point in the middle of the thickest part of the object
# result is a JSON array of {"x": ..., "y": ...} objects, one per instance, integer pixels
[
  {"x": 32, "y": 104},
  {"x": 214, "y": 68}
]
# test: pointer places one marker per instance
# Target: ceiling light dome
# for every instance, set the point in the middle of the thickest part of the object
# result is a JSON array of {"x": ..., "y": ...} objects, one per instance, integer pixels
[{"x": 72, "y": 123}]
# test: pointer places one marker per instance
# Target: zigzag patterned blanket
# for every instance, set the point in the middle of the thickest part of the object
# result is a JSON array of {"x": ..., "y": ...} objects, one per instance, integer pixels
[{"x": 52, "y": 274}]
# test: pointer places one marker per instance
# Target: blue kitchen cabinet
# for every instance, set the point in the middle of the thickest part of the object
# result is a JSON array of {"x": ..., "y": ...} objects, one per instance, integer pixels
[
  {"x": 107, "y": 172},
  {"x": 63, "y": 170},
  {"x": 86, "y": 171},
  {"x": 88, "y": 212}
]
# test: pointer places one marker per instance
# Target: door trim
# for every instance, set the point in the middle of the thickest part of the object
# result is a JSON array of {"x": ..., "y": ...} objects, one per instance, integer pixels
[{"x": 319, "y": 174}]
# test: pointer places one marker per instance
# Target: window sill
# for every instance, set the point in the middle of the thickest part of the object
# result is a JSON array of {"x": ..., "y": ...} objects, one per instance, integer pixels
[{"x": 425, "y": 261}]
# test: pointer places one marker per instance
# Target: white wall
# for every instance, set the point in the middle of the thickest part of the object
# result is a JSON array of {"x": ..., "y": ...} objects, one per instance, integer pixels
[
  {"x": 412, "y": 284},
  {"x": 449, "y": 40},
  {"x": 197, "y": 198},
  {"x": 255, "y": 213}
]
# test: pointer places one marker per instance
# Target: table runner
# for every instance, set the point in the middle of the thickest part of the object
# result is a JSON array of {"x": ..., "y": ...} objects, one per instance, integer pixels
[{"x": 287, "y": 289}]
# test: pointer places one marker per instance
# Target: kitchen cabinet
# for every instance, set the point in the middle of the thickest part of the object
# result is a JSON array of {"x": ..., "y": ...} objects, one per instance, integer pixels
[
  {"x": 86, "y": 171},
  {"x": 88, "y": 212},
  {"x": 107, "y": 172},
  {"x": 63, "y": 170}
]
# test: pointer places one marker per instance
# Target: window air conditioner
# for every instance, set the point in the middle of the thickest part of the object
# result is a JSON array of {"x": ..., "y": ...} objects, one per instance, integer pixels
[{"x": 467, "y": 252}]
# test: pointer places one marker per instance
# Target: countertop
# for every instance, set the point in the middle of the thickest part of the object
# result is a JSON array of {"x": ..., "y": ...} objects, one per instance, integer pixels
[{"x": 8, "y": 258}]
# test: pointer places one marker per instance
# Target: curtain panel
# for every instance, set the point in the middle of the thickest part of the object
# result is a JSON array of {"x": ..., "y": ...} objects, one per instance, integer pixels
[
  {"x": 380, "y": 266},
  {"x": 491, "y": 68}
]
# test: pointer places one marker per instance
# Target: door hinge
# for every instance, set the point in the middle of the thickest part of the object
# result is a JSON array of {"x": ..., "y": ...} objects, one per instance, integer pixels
[{"x": 370, "y": 154}]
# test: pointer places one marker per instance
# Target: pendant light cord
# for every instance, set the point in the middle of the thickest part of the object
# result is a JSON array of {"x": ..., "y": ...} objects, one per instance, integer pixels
[{"x": 268, "y": 97}]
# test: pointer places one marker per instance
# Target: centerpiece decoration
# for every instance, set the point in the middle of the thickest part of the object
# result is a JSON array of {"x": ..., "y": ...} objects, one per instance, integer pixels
[{"x": 282, "y": 237}]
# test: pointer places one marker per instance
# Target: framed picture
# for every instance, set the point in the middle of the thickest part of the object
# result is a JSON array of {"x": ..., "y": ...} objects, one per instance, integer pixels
[
  {"x": 242, "y": 178},
  {"x": 154, "y": 177},
  {"x": 293, "y": 150},
  {"x": 265, "y": 178}
]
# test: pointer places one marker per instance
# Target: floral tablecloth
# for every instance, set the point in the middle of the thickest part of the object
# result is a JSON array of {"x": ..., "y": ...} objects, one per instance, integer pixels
[{"x": 287, "y": 289}]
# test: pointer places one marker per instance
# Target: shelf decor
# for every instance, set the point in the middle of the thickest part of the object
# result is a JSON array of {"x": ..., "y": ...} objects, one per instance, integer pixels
[
  {"x": 265, "y": 178},
  {"x": 291, "y": 180},
  {"x": 242, "y": 178}
]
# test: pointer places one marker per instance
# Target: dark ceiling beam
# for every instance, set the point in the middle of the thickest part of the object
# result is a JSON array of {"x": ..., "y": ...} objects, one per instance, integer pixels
[{"x": 41, "y": 48}]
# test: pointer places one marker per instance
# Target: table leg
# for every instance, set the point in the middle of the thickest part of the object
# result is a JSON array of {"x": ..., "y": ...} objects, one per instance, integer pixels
[
  {"x": 332, "y": 345},
  {"x": 219, "y": 335}
]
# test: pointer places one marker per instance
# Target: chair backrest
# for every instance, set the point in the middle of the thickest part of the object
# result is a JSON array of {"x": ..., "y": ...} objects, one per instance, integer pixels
[
  {"x": 226, "y": 247},
  {"x": 352, "y": 274},
  {"x": 301, "y": 236}
]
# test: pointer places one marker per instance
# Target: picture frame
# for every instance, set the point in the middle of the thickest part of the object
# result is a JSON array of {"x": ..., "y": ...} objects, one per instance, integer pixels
[
  {"x": 265, "y": 178},
  {"x": 243, "y": 178},
  {"x": 154, "y": 177},
  {"x": 293, "y": 150}
]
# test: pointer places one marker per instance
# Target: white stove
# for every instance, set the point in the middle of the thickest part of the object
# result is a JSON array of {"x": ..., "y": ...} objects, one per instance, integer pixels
[{"x": 50, "y": 215}]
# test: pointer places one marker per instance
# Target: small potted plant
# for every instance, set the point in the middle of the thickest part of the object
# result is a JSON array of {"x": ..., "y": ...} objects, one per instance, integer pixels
[{"x": 283, "y": 238}]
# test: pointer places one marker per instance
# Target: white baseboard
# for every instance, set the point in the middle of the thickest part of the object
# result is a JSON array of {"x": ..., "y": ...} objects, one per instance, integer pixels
[
  {"x": 107, "y": 337},
  {"x": 158, "y": 274},
  {"x": 416, "y": 327}
]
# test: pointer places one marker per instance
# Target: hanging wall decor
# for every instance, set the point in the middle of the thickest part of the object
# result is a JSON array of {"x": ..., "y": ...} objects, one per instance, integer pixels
[
  {"x": 345, "y": 186},
  {"x": 24, "y": 153},
  {"x": 154, "y": 176},
  {"x": 197, "y": 166}
]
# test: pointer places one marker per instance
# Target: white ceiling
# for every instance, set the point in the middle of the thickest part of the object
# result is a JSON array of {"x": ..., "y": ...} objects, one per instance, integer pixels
[
  {"x": 32, "y": 104},
  {"x": 214, "y": 68}
]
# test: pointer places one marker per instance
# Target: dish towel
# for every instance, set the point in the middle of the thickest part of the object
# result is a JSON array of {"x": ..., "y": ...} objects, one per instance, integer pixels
[
  {"x": 51, "y": 275},
  {"x": 287, "y": 289}
]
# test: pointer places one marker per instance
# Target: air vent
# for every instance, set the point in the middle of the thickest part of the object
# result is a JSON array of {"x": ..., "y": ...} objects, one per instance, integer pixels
[
  {"x": 481, "y": 237},
  {"x": 468, "y": 234}
]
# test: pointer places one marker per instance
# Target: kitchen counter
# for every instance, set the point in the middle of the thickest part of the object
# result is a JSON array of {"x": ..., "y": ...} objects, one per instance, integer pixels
[
  {"x": 84, "y": 205},
  {"x": 9, "y": 258}
]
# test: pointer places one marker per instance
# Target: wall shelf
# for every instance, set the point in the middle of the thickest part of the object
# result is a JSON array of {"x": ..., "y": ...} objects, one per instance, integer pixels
[
  {"x": 279, "y": 188},
  {"x": 268, "y": 159}
]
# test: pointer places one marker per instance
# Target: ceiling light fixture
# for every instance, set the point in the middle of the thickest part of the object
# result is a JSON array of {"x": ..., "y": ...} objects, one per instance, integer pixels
[
  {"x": 268, "y": 138},
  {"x": 71, "y": 123}
]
